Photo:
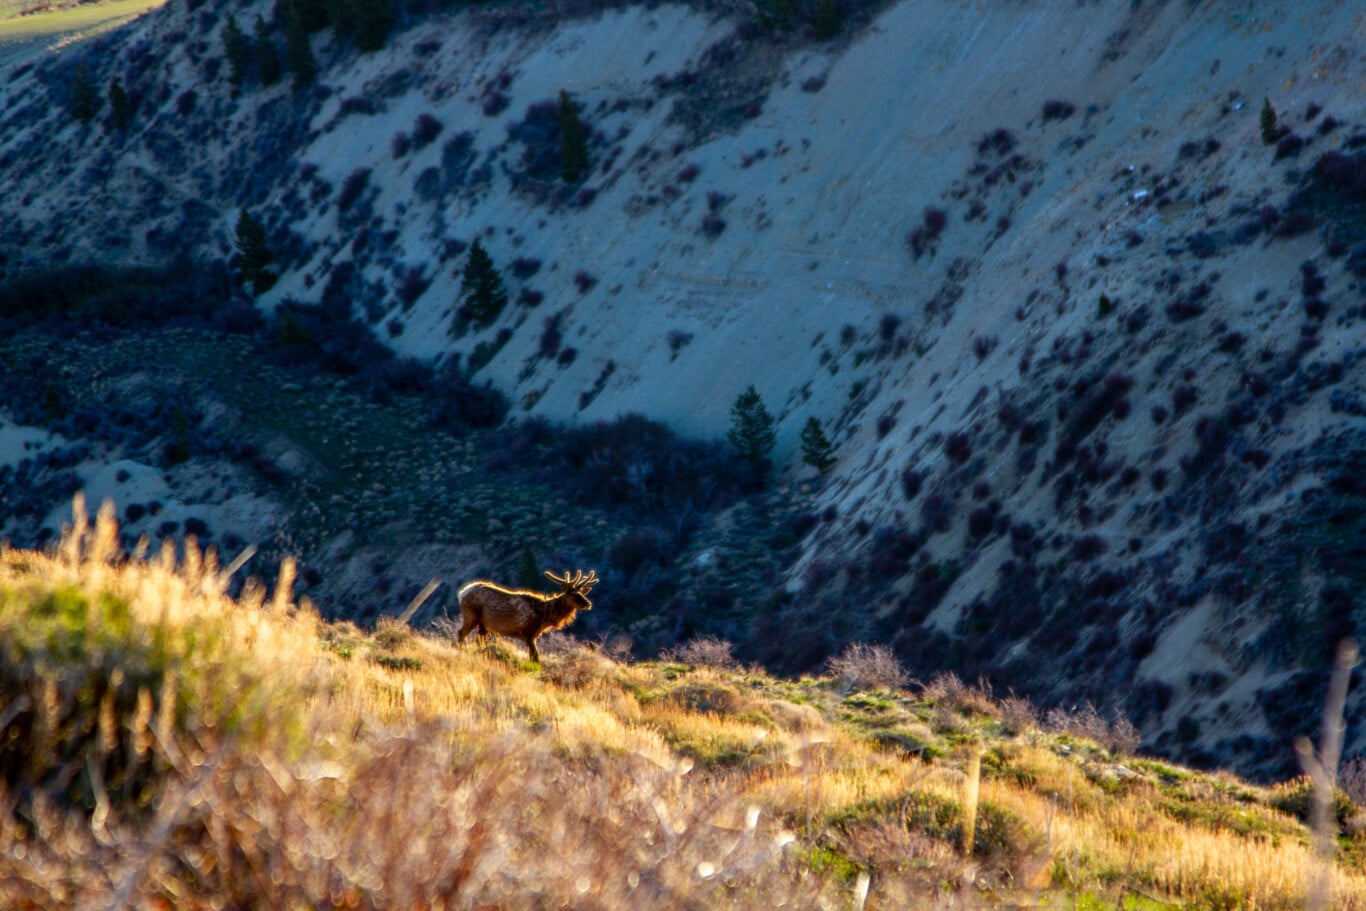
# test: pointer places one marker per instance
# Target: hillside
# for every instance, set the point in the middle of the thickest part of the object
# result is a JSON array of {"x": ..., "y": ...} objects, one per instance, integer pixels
[
  {"x": 165, "y": 745},
  {"x": 1083, "y": 324}
]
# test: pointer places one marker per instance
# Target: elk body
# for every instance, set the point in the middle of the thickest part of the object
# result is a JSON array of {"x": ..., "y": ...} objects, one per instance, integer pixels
[{"x": 486, "y": 607}]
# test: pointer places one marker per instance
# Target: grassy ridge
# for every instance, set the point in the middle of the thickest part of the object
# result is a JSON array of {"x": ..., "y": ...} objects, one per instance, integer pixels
[
  {"x": 21, "y": 35},
  {"x": 164, "y": 743}
]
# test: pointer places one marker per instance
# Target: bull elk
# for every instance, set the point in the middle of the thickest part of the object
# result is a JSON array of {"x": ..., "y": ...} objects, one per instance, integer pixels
[{"x": 486, "y": 607}]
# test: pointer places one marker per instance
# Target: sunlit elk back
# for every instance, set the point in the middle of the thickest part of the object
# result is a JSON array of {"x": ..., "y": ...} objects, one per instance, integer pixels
[{"x": 486, "y": 607}]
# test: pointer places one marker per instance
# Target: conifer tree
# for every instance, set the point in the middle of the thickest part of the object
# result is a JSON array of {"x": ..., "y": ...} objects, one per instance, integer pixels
[
  {"x": 120, "y": 107},
  {"x": 528, "y": 572},
  {"x": 313, "y": 15},
  {"x": 817, "y": 451},
  {"x": 268, "y": 68},
  {"x": 573, "y": 144},
  {"x": 237, "y": 48},
  {"x": 254, "y": 256},
  {"x": 482, "y": 293},
  {"x": 1271, "y": 132},
  {"x": 85, "y": 98},
  {"x": 751, "y": 433},
  {"x": 827, "y": 20},
  {"x": 371, "y": 21},
  {"x": 299, "y": 58}
]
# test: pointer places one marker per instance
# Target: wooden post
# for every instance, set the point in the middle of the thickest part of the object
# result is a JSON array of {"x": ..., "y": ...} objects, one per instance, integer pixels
[{"x": 970, "y": 787}]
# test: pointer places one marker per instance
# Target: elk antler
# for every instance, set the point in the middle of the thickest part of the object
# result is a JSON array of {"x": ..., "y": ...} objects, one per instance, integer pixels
[
  {"x": 577, "y": 582},
  {"x": 565, "y": 580}
]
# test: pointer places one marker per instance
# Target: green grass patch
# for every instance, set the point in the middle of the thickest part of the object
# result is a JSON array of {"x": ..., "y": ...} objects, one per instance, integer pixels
[
  {"x": 398, "y": 662},
  {"x": 826, "y": 861},
  {"x": 89, "y": 685}
]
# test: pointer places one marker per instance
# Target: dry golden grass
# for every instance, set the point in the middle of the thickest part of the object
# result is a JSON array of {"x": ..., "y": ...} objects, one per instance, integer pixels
[{"x": 164, "y": 745}]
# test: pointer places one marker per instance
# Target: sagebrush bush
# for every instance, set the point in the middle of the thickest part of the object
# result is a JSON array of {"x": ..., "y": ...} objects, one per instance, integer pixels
[
  {"x": 863, "y": 666},
  {"x": 352, "y": 188},
  {"x": 1118, "y": 735},
  {"x": 425, "y": 130},
  {"x": 705, "y": 651}
]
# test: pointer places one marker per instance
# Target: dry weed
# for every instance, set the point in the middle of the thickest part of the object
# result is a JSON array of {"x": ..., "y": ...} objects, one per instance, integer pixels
[
  {"x": 864, "y": 666},
  {"x": 706, "y": 651}
]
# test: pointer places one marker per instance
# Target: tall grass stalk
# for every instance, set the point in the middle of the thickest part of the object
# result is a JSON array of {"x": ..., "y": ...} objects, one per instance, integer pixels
[{"x": 1322, "y": 769}]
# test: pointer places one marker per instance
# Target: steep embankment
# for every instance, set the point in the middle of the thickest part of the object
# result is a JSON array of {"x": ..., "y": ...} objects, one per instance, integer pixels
[{"x": 1089, "y": 347}]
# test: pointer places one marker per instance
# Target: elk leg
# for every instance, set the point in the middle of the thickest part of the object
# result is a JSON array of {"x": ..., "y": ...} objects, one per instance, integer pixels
[
  {"x": 470, "y": 625},
  {"x": 531, "y": 647}
]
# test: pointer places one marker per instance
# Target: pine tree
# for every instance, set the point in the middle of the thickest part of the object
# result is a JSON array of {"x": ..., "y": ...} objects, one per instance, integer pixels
[
  {"x": 817, "y": 451},
  {"x": 299, "y": 58},
  {"x": 254, "y": 256},
  {"x": 573, "y": 144},
  {"x": 237, "y": 48},
  {"x": 341, "y": 13},
  {"x": 528, "y": 573},
  {"x": 827, "y": 20},
  {"x": 751, "y": 432},
  {"x": 268, "y": 68},
  {"x": 371, "y": 21},
  {"x": 313, "y": 15},
  {"x": 85, "y": 98},
  {"x": 1271, "y": 132},
  {"x": 482, "y": 293},
  {"x": 120, "y": 108}
]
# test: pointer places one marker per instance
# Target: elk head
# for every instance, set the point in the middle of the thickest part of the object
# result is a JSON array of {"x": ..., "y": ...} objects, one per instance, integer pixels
[{"x": 576, "y": 588}]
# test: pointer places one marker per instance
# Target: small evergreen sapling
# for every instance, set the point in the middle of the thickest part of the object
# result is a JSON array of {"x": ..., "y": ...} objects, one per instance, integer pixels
[
  {"x": 751, "y": 432},
  {"x": 827, "y": 20},
  {"x": 573, "y": 143},
  {"x": 237, "y": 48},
  {"x": 268, "y": 68},
  {"x": 482, "y": 293},
  {"x": 817, "y": 450},
  {"x": 299, "y": 59},
  {"x": 1271, "y": 132},
  {"x": 372, "y": 21},
  {"x": 120, "y": 107},
  {"x": 313, "y": 15},
  {"x": 85, "y": 98},
  {"x": 254, "y": 256}
]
